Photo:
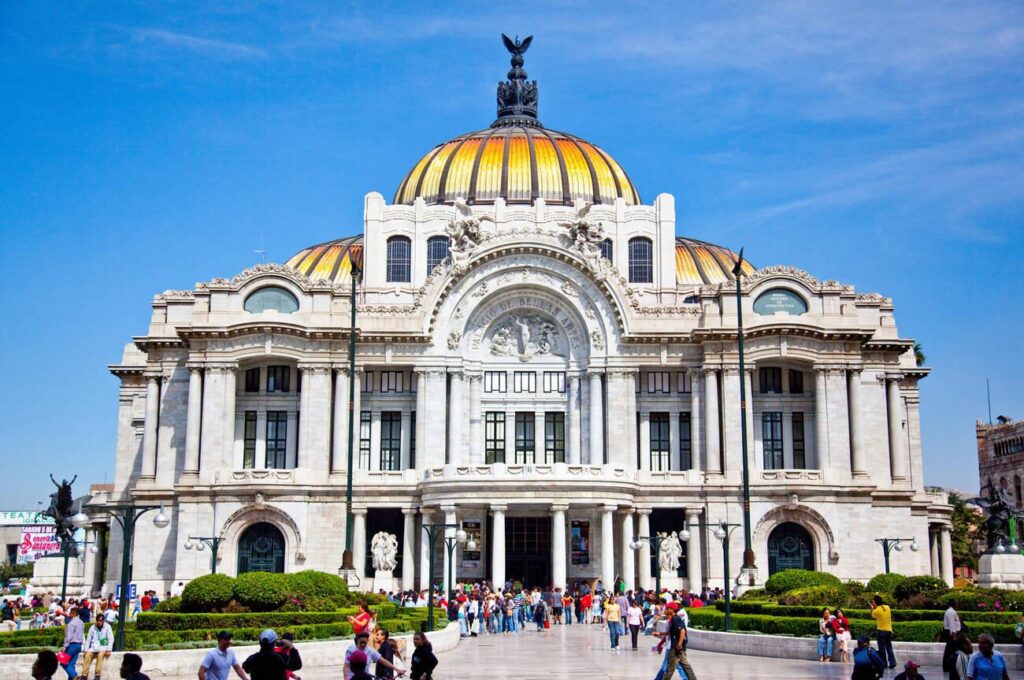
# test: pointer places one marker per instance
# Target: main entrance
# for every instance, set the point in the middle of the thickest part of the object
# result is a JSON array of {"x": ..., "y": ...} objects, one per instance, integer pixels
[
  {"x": 528, "y": 551},
  {"x": 261, "y": 548},
  {"x": 790, "y": 547}
]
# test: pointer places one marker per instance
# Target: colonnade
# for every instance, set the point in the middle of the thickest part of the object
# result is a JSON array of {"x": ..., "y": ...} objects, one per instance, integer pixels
[{"x": 940, "y": 544}]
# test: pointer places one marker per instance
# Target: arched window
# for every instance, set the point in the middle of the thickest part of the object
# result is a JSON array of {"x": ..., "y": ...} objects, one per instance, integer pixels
[
  {"x": 606, "y": 249},
  {"x": 399, "y": 268},
  {"x": 271, "y": 298},
  {"x": 641, "y": 260},
  {"x": 261, "y": 548},
  {"x": 790, "y": 546},
  {"x": 437, "y": 250}
]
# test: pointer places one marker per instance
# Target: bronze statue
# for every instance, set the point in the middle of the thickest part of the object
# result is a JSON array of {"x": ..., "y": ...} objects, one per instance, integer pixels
[
  {"x": 61, "y": 511},
  {"x": 517, "y": 98},
  {"x": 998, "y": 507}
]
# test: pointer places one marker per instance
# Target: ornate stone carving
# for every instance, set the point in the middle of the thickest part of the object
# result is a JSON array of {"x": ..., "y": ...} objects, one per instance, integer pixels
[
  {"x": 569, "y": 289},
  {"x": 780, "y": 270},
  {"x": 384, "y": 548},
  {"x": 465, "y": 234},
  {"x": 454, "y": 338},
  {"x": 260, "y": 269},
  {"x": 526, "y": 336},
  {"x": 585, "y": 237},
  {"x": 671, "y": 551},
  {"x": 597, "y": 340}
]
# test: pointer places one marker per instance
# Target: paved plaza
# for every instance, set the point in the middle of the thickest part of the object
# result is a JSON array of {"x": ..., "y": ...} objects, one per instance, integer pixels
[{"x": 581, "y": 651}]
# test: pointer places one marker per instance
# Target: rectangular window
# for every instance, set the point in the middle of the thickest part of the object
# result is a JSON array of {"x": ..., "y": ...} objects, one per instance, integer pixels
[
  {"x": 771, "y": 437},
  {"x": 494, "y": 437},
  {"x": 684, "y": 382},
  {"x": 392, "y": 381},
  {"x": 278, "y": 378},
  {"x": 252, "y": 380},
  {"x": 364, "y": 440},
  {"x": 799, "y": 447},
  {"x": 660, "y": 447},
  {"x": 685, "y": 442},
  {"x": 526, "y": 438},
  {"x": 554, "y": 437},
  {"x": 494, "y": 381},
  {"x": 412, "y": 441},
  {"x": 796, "y": 382},
  {"x": 249, "y": 449},
  {"x": 554, "y": 381},
  {"x": 277, "y": 439},
  {"x": 366, "y": 382},
  {"x": 771, "y": 380},
  {"x": 390, "y": 440},
  {"x": 524, "y": 381},
  {"x": 657, "y": 381}
]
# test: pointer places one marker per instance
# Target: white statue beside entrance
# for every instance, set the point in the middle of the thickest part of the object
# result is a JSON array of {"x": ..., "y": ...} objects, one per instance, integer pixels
[
  {"x": 384, "y": 549},
  {"x": 668, "y": 560}
]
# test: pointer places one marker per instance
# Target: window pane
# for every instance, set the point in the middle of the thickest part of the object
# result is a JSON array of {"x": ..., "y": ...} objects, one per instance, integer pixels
[
  {"x": 399, "y": 266},
  {"x": 271, "y": 298},
  {"x": 685, "y": 442},
  {"x": 364, "y": 440},
  {"x": 641, "y": 260},
  {"x": 660, "y": 442},
  {"x": 277, "y": 439},
  {"x": 796, "y": 382},
  {"x": 252, "y": 380},
  {"x": 278, "y": 378},
  {"x": 525, "y": 438},
  {"x": 606, "y": 249},
  {"x": 249, "y": 450},
  {"x": 771, "y": 435},
  {"x": 437, "y": 251},
  {"x": 412, "y": 441},
  {"x": 390, "y": 440},
  {"x": 554, "y": 437},
  {"x": 771, "y": 380},
  {"x": 799, "y": 451},
  {"x": 494, "y": 381},
  {"x": 494, "y": 437}
]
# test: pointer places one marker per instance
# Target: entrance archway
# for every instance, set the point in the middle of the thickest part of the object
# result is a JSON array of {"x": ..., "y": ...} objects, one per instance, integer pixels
[
  {"x": 261, "y": 548},
  {"x": 790, "y": 546},
  {"x": 528, "y": 551}
]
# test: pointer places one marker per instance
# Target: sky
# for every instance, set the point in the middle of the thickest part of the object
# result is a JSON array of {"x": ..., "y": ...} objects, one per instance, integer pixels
[{"x": 148, "y": 146}]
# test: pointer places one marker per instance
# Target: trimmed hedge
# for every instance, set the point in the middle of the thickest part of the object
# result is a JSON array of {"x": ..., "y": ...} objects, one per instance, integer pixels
[
  {"x": 790, "y": 579},
  {"x": 261, "y": 591},
  {"x": 208, "y": 593},
  {"x": 812, "y": 595},
  {"x": 884, "y": 583},
  {"x": 310, "y": 587},
  {"x": 856, "y": 613},
  {"x": 919, "y": 585},
  {"x": 171, "y": 605},
  {"x": 160, "y": 621}
]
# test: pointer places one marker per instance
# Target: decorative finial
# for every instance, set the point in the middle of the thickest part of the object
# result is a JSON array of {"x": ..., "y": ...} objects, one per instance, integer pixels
[{"x": 517, "y": 98}]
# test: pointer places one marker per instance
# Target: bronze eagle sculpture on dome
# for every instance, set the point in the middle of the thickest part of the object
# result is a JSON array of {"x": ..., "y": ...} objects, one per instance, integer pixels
[
  {"x": 517, "y": 47},
  {"x": 517, "y": 98}
]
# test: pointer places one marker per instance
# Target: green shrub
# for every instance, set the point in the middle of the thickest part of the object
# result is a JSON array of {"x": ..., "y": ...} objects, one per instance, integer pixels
[
  {"x": 208, "y": 593},
  {"x": 918, "y": 585},
  {"x": 179, "y": 622},
  {"x": 756, "y": 594},
  {"x": 884, "y": 583},
  {"x": 261, "y": 591},
  {"x": 319, "y": 586},
  {"x": 855, "y": 589},
  {"x": 813, "y": 611},
  {"x": 817, "y": 596},
  {"x": 978, "y": 599},
  {"x": 788, "y": 579},
  {"x": 171, "y": 605}
]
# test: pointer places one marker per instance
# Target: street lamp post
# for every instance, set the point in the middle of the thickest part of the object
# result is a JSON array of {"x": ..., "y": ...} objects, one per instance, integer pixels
[
  {"x": 212, "y": 541},
  {"x": 655, "y": 542},
  {"x": 127, "y": 515},
  {"x": 890, "y": 544},
  {"x": 433, "y": 531},
  {"x": 69, "y": 549},
  {"x": 347, "y": 565},
  {"x": 723, "y": 530},
  {"x": 748, "y": 550}
]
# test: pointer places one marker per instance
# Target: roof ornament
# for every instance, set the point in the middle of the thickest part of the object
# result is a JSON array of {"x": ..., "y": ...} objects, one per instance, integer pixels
[
  {"x": 517, "y": 98},
  {"x": 585, "y": 236},
  {"x": 465, "y": 234}
]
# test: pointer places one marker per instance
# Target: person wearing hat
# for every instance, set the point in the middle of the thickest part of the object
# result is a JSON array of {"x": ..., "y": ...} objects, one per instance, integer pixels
[
  {"x": 357, "y": 663},
  {"x": 290, "y": 655},
  {"x": 910, "y": 671},
  {"x": 867, "y": 664},
  {"x": 265, "y": 664},
  {"x": 677, "y": 645},
  {"x": 218, "y": 662}
]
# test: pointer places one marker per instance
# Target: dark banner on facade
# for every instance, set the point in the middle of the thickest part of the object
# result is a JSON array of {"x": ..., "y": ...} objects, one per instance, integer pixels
[
  {"x": 471, "y": 558},
  {"x": 580, "y": 542}
]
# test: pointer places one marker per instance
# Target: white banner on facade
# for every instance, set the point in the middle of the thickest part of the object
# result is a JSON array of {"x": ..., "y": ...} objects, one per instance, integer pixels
[
  {"x": 36, "y": 542},
  {"x": 10, "y": 518}
]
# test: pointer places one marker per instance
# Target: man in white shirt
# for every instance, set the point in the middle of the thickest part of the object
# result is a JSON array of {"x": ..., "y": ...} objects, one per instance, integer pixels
[
  {"x": 951, "y": 621},
  {"x": 362, "y": 644},
  {"x": 217, "y": 663}
]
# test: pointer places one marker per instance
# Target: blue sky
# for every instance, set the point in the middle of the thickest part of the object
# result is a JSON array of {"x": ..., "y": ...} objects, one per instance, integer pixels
[{"x": 146, "y": 147}]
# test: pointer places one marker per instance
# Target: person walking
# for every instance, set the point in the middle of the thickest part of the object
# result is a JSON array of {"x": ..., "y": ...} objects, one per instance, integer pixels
[
  {"x": 218, "y": 662},
  {"x": 74, "y": 638},
  {"x": 635, "y": 621},
  {"x": 265, "y": 664},
  {"x": 131, "y": 667},
  {"x": 423, "y": 661},
  {"x": 955, "y": 660},
  {"x": 98, "y": 645},
  {"x": 613, "y": 617},
  {"x": 387, "y": 649},
  {"x": 677, "y": 645},
  {"x": 289, "y": 653},
  {"x": 540, "y": 614},
  {"x": 986, "y": 663},
  {"x": 910, "y": 671},
  {"x": 362, "y": 644},
  {"x": 358, "y": 663},
  {"x": 882, "y": 615}
]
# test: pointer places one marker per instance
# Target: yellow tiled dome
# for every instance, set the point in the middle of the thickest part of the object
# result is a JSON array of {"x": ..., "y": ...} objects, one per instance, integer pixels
[
  {"x": 698, "y": 262},
  {"x": 331, "y": 260}
]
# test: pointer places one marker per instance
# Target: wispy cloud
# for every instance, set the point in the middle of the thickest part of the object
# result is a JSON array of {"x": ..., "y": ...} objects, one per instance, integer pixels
[{"x": 193, "y": 43}]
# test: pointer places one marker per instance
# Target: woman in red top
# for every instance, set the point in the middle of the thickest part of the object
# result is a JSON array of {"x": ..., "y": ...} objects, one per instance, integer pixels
[{"x": 361, "y": 621}]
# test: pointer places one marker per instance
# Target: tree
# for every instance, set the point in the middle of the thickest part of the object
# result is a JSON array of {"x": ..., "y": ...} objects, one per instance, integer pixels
[
  {"x": 967, "y": 524},
  {"x": 919, "y": 356}
]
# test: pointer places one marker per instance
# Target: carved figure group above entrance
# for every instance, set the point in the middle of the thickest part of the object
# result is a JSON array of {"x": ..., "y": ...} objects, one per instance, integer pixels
[
  {"x": 465, "y": 234},
  {"x": 526, "y": 336},
  {"x": 585, "y": 236}
]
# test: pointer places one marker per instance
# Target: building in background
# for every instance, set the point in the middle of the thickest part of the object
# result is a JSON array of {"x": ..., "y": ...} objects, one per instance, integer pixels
[
  {"x": 1001, "y": 459},
  {"x": 542, "y": 359}
]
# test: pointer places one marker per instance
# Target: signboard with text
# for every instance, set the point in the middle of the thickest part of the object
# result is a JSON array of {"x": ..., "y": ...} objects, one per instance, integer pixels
[
  {"x": 780, "y": 301},
  {"x": 12, "y": 518},
  {"x": 36, "y": 542}
]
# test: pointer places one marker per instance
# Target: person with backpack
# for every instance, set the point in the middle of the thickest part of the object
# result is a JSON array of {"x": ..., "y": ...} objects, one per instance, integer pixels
[{"x": 867, "y": 664}]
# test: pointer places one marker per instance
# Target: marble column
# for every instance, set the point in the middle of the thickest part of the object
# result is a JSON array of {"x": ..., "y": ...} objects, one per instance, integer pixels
[
  {"x": 596, "y": 443},
  {"x": 497, "y": 538},
  {"x": 820, "y": 420},
  {"x": 693, "y": 550},
  {"x": 573, "y": 418},
  {"x": 856, "y": 431},
  {"x": 696, "y": 434},
  {"x": 193, "y": 419},
  {"x": 212, "y": 434},
  {"x": 422, "y": 419},
  {"x": 449, "y": 568},
  {"x": 375, "y": 450},
  {"x": 933, "y": 545},
  {"x": 405, "y": 449},
  {"x": 628, "y": 555},
  {"x": 645, "y": 443},
  {"x": 230, "y": 392},
  {"x": 425, "y": 548},
  {"x": 752, "y": 458},
  {"x": 559, "y": 554},
  {"x": 947, "y": 555},
  {"x": 149, "y": 428},
  {"x": 408, "y": 548},
  {"x": 510, "y": 437},
  {"x": 539, "y": 439},
  {"x": 476, "y": 427},
  {"x": 456, "y": 417},
  {"x": 644, "y": 530},
  {"x": 632, "y": 440},
  {"x": 314, "y": 430},
  {"x": 674, "y": 449},
  {"x": 435, "y": 418},
  {"x": 339, "y": 448},
  {"x": 608, "y": 546},
  {"x": 713, "y": 462},
  {"x": 897, "y": 450},
  {"x": 359, "y": 541}
]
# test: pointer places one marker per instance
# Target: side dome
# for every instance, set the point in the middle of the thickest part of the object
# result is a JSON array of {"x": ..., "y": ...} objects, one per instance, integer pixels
[
  {"x": 699, "y": 263},
  {"x": 520, "y": 164},
  {"x": 330, "y": 261}
]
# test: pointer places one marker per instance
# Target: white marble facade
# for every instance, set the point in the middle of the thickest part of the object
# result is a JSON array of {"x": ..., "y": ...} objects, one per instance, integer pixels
[{"x": 592, "y": 367}]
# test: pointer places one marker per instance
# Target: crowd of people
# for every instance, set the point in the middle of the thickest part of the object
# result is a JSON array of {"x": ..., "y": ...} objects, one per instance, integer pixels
[{"x": 47, "y": 610}]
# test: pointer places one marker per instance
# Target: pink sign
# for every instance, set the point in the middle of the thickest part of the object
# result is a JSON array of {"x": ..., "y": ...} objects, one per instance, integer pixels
[{"x": 36, "y": 542}]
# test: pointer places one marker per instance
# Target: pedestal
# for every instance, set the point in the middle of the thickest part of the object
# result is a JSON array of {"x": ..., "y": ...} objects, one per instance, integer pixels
[
  {"x": 1001, "y": 571},
  {"x": 47, "y": 573},
  {"x": 383, "y": 580},
  {"x": 746, "y": 581},
  {"x": 670, "y": 581}
]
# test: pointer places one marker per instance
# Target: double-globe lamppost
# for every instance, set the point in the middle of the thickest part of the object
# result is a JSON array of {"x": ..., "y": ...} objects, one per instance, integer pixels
[
  {"x": 69, "y": 549},
  {"x": 450, "y": 541},
  {"x": 749, "y": 566},
  {"x": 890, "y": 544},
  {"x": 347, "y": 569},
  {"x": 201, "y": 542},
  {"x": 722, "y": 532}
]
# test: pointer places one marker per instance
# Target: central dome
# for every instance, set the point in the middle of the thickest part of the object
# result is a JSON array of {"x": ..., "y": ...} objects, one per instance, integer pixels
[{"x": 516, "y": 158}]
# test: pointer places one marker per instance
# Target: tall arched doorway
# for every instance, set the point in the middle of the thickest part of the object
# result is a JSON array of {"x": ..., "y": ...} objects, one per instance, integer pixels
[
  {"x": 261, "y": 548},
  {"x": 790, "y": 546}
]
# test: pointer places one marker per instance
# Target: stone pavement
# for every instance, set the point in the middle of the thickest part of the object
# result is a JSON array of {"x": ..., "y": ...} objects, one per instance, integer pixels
[{"x": 582, "y": 651}]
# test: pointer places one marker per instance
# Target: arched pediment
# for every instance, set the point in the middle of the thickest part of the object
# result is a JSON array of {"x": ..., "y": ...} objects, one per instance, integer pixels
[
  {"x": 250, "y": 514},
  {"x": 809, "y": 519}
]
